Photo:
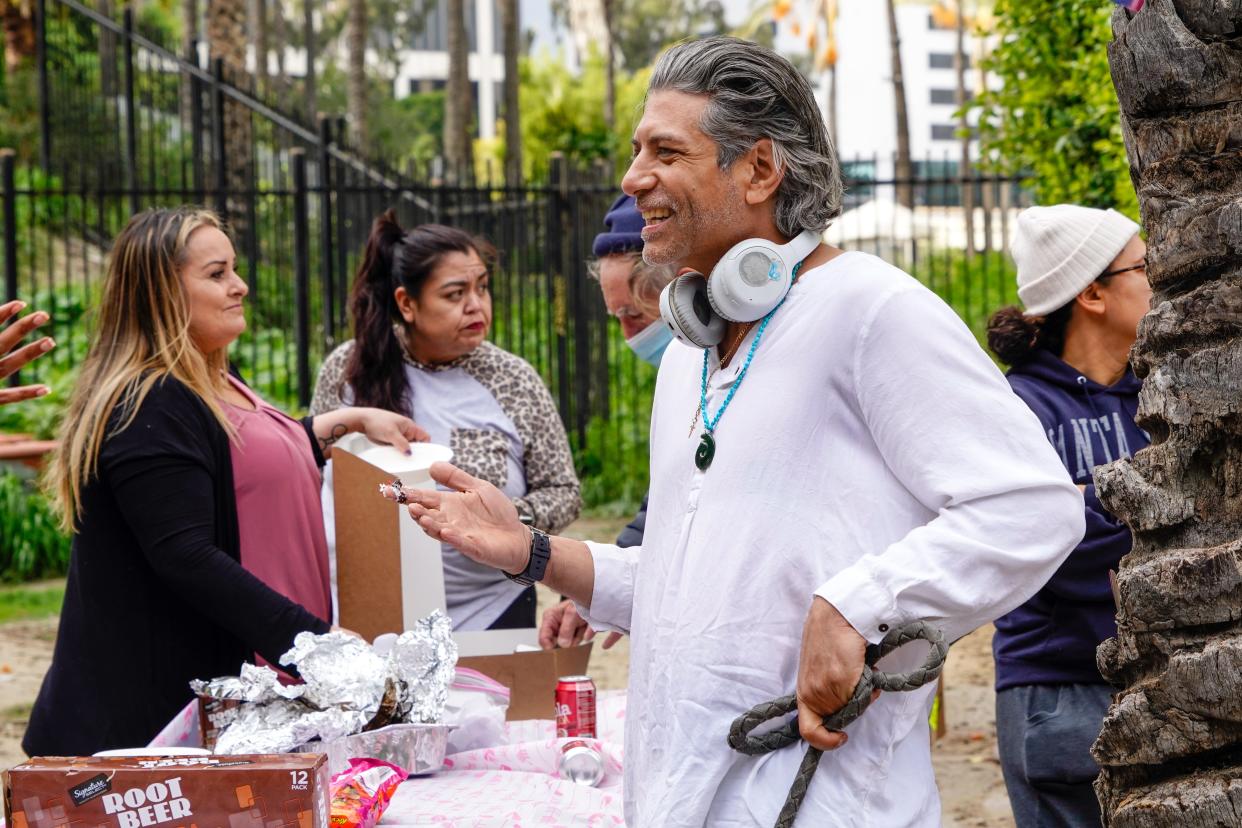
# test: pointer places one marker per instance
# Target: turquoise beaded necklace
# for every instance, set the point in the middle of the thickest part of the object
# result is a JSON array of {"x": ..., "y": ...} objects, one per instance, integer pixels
[{"x": 707, "y": 443}]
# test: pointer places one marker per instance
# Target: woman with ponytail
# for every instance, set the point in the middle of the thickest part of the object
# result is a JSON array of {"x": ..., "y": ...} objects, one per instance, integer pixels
[
  {"x": 422, "y": 309},
  {"x": 1082, "y": 278},
  {"x": 194, "y": 505}
]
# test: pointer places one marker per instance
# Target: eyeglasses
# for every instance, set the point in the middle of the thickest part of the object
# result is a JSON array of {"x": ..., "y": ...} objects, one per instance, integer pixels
[
  {"x": 626, "y": 312},
  {"x": 1120, "y": 270}
]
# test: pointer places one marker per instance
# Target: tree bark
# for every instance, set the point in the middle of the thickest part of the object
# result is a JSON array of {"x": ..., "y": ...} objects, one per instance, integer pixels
[
  {"x": 280, "y": 42},
  {"x": 904, "y": 169},
  {"x": 511, "y": 44},
  {"x": 226, "y": 39},
  {"x": 108, "y": 76},
  {"x": 1171, "y": 745},
  {"x": 189, "y": 49},
  {"x": 261, "y": 44},
  {"x": 963, "y": 125},
  {"x": 356, "y": 44},
  {"x": 458, "y": 101},
  {"x": 311, "y": 87}
]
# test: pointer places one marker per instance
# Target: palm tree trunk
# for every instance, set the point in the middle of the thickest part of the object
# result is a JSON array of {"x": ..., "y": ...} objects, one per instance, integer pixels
[
  {"x": 262, "y": 45},
  {"x": 904, "y": 169},
  {"x": 311, "y": 87},
  {"x": 226, "y": 40},
  {"x": 189, "y": 49},
  {"x": 458, "y": 101},
  {"x": 610, "y": 68},
  {"x": 1171, "y": 746},
  {"x": 356, "y": 43},
  {"x": 963, "y": 124},
  {"x": 108, "y": 83},
  {"x": 510, "y": 29},
  {"x": 280, "y": 42}
]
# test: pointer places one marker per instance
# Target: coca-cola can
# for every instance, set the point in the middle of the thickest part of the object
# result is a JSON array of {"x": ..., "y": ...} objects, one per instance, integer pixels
[
  {"x": 575, "y": 706},
  {"x": 581, "y": 763}
]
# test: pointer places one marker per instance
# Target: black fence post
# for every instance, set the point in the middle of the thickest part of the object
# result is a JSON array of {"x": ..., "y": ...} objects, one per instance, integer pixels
[
  {"x": 131, "y": 115},
  {"x": 558, "y": 237},
  {"x": 8, "y": 190},
  {"x": 301, "y": 271},
  {"x": 45, "y": 103},
  {"x": 217, "y": 137},
  {"x": 325, "y": 234}
]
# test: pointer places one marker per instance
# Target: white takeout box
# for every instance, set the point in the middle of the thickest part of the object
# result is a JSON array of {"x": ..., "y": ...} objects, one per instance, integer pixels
[{"x": 390, "y": 574}]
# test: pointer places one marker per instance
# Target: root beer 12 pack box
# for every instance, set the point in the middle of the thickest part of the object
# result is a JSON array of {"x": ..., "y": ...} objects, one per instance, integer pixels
[{"x": 276, "y": 791}]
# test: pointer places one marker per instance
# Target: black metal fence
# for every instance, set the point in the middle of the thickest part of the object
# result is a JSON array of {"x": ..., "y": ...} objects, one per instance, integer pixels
[{"x": 128, "y": 124}]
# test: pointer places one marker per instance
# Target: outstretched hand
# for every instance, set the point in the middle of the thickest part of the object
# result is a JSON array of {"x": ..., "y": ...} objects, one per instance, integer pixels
[
  {"x": 396, "y": 430},
  {"x": 475, "y": 517},
  {"x": 10, "y": 363}
]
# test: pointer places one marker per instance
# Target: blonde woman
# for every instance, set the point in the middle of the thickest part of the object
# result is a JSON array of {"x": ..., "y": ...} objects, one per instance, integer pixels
[{"x": 198, "y": 538}]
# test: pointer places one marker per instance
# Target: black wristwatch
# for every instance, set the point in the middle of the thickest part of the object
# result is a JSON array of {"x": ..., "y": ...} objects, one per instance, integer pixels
[{"x": 540, "y": 552}]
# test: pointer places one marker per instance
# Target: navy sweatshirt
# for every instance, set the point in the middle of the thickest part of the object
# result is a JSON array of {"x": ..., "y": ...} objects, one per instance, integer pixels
[{"x": 1051, "y": 639}]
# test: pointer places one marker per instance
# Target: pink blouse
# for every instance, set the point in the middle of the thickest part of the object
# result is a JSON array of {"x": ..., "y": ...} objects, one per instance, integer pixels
[{"x": 279, "y": 516}]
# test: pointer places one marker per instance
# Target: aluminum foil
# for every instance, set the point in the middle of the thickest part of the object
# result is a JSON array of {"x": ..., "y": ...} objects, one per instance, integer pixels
[
  {"x": 340, "y": 670},
  {"x": 423, "y": 661},
  {"x": 255, "y": 684},
  {"x": 348, "y": 688},
  {"x": 281, "y": 726}
]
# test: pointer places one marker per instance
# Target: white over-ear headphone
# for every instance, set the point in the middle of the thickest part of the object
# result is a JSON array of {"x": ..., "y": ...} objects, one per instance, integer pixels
[{"x": 746, "y": 284}]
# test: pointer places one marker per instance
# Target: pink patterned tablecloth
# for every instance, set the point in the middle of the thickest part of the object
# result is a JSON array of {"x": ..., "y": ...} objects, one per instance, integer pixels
[{"x": 516, "y": 785}]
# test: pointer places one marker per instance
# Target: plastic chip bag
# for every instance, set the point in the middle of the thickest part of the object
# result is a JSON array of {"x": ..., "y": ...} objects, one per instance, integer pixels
[{"x": 361, "y": 792}]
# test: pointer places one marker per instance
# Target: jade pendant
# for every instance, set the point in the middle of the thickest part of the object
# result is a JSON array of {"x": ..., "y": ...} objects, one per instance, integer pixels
[{"x": 706, "y": 451}]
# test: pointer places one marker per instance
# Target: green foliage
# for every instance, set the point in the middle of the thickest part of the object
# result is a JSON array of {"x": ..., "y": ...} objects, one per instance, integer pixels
[
  {"x": 19, "y": 107},
  {"x": 563, "y": 112},
  {"x": 974, "y": 288},
  {"x": 642, "y": 28},
  {"x": 1056, "y": 114},
  {"x": 34, "y": 546}
]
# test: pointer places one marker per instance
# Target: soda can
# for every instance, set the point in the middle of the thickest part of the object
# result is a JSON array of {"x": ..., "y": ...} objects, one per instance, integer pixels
[
  {"x": 581, "y": 763},
  {"x": 575, "y": 707}
]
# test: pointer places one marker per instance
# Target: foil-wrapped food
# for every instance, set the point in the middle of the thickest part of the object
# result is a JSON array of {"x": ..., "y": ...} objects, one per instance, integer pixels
[{"x": 348, "y": 688}]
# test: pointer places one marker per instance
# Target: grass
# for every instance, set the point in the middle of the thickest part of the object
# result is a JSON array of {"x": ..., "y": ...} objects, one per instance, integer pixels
[{"x": 31, "y": 601}]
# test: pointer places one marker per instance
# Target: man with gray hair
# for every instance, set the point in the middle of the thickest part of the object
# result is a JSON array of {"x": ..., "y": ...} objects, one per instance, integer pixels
[{"x": 854, "y": 463}]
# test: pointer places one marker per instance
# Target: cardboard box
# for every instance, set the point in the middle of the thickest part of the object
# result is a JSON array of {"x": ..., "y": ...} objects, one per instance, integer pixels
[
  {"x": 256, "y": 791},
  {"x": 389, "y": 575}
]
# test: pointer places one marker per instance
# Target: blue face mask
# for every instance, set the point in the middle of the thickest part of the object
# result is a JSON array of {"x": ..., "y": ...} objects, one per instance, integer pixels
[{"x": 650, "y": 342}]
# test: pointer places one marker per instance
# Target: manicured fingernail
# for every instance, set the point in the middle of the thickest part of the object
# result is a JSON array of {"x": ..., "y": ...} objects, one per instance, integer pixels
[
  {"x": 42, "y": 391},
  {"x": 49, "y": 344},
  {"x": 40, "y": 318},
  {"x": 21, "y": 306},
  {"x": 409, "y": 451}
]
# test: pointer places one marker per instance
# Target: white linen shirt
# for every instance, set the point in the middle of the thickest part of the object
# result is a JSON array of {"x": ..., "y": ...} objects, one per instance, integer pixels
[{"x": 873, "y": 456}]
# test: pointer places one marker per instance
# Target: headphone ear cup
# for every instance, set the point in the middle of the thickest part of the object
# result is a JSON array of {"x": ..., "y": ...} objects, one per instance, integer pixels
[
  {"x": 685, "y": 308},
  {"x": 748, "y": 281},
  {"x": 713, "y": 299}
]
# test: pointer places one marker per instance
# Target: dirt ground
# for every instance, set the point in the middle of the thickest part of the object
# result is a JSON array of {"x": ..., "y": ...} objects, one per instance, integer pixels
[{"x": 967, "y": 770}]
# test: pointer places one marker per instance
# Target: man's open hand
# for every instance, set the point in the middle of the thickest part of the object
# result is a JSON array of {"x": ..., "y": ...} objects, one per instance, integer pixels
[
  {"x": 474, "y": 517},
  {"x": 829, "y": 668}
]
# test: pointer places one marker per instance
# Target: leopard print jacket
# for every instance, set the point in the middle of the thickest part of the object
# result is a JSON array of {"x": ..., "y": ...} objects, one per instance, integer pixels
[{"x": 552, "y": 489}]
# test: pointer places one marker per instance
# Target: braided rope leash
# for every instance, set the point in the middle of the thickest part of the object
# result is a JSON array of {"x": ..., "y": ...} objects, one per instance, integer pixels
[{"x": 741, "y": 740}]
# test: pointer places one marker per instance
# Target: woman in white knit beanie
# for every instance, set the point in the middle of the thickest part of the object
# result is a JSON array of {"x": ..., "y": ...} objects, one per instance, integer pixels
[{"x": 1082, "y": 278}]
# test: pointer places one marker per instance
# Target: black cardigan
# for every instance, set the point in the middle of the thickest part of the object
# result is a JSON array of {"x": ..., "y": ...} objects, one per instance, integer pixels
[{"x": 156, "y": 594}]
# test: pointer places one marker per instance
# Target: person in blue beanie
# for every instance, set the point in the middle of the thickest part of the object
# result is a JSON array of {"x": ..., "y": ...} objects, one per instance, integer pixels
[
  {"x": 631, "y": 290},
  {"x": 1082, "y": 279}
]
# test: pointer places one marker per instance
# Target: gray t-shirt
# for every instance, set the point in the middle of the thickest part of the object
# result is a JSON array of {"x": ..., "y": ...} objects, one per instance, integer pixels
[{"x": 495, "y": 413}]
